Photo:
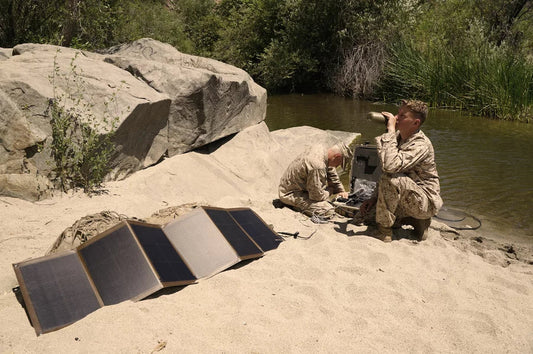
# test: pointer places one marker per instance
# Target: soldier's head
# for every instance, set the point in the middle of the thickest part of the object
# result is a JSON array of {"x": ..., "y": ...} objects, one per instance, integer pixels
[
  {"x": 339, "y": 155},
  {"x": 410, "y": 117},
  {"x": 419, "y": 109}
]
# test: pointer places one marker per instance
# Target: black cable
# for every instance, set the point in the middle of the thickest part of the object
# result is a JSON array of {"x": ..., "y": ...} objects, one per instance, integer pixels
[
  {"x": 295, "y": 235},
  {"x": 449, "y": 220}
]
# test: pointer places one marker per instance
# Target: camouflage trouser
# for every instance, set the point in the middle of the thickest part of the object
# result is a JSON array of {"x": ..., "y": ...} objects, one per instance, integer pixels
[
  {"x": 398, "y": 197},
  {"x": 301, "y": 202}
]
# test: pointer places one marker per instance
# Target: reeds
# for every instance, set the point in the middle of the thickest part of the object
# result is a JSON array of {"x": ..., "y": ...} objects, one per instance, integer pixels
[
  {"x": 483, "y": 79},
  {"x": 359, "y": 71}
]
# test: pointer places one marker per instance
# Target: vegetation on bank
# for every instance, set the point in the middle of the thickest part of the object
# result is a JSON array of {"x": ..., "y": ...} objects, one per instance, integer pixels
[
  {"x": 80, "y": 152},
  {"x": 475, "y": 55}
]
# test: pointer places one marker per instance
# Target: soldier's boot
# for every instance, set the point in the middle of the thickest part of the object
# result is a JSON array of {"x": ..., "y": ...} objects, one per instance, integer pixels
[
  {"x": 384, "y": 233},
  {"x": 421, "y": 228},
  {"x": 369, "y": 219},
  {"x": 358, "y": 219},
  {"x": 398, "y": 223}
]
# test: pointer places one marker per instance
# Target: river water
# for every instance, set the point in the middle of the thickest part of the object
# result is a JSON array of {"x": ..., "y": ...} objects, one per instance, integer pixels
[{"x": 485, "y": 166}]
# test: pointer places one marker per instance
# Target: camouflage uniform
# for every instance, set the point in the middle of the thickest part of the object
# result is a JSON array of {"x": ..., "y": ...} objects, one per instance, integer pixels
[
  {"x": 409, "y": 185},
  {"x": 308, "y": 182}
]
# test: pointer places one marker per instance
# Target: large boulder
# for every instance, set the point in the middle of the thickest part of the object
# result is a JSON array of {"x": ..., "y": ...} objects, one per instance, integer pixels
[
  {"x": 99, "y": 94},
  {"x": 210, "y": 99},
  {"x": 171, "y": 104},
  {"x": 25, "y": 186}
]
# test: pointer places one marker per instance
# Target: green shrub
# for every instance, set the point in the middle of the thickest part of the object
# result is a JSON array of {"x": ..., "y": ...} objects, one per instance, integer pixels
[
  {"x": 153, "y": 19},
  {"x": 81, "y": 153}
]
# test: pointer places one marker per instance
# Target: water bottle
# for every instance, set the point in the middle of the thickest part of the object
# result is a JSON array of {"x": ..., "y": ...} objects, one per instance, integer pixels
[{"x": 377, "y": 117}]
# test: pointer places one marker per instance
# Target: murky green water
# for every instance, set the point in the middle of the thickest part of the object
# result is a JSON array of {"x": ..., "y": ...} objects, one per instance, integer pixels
[{"x": 486, "y": 166}]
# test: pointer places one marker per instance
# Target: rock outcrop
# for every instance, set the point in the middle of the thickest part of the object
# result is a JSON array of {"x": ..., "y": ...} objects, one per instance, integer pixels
[
  {"x": 210, "y": 99},
  {"x": 152, "y": 99}
]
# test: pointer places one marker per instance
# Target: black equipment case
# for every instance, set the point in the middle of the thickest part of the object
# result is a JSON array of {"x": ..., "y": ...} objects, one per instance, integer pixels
[
  {"x": 365, "y": 168},
  {"x": 365, "y": 164}
]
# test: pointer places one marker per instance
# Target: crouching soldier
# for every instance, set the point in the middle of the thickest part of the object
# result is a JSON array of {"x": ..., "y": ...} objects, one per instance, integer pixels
[
  {"x": 312, "y": 178},
  {"x": 408, "y": 191}
]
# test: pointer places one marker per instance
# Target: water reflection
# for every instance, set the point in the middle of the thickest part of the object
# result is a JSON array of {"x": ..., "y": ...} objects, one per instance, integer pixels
[{"x": 485, "y": 165}]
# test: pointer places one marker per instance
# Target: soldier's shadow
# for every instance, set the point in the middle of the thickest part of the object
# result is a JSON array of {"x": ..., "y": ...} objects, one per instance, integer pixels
[
  {"x": 404, "y": 232},
  {"x": 342, "y": 228}
]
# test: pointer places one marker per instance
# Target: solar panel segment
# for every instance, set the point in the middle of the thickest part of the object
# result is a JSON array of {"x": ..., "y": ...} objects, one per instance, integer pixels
[
  {"x": 168, "y": 264},
  {"x": 256, "y": 228},
  {"x": 201, "y": 244},
  {"x": 57, "y": 290},
  {"x": 245, "y": 247},
  {"x": 118, "y": 267}
]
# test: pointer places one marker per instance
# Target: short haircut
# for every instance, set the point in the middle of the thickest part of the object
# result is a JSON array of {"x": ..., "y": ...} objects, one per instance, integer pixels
[{"x": 419, "y": 109}]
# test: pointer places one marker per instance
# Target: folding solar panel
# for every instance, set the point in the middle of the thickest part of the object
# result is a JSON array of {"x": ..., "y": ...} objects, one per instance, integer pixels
[
  {"x": 57, "y": 290},
  {"x": 134, "y": 259}
]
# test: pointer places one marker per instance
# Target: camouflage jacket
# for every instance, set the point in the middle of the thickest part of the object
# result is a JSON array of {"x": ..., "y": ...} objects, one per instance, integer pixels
[
  {"x": 310, "y": 172},
  {"x": 413, "y": 157}
]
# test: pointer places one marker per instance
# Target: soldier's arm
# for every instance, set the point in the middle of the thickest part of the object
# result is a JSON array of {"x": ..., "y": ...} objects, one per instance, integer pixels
[
  {"x": 315, "y": 187},
  {"x": 399, "y": 161},
  {"x": 334, "y": 182}
]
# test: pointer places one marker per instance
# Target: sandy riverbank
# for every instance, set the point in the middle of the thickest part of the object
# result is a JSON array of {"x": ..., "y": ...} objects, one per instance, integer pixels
[{"x": 341, "y": 290}]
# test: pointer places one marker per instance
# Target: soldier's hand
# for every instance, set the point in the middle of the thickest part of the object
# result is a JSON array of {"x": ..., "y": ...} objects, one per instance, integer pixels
[{"x": 391, "y": 121}]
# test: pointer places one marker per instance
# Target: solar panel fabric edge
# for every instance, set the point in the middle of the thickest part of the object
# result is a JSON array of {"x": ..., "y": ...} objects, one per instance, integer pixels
[
  {"x": 166, "y": 260},
  {"x": 71, "y": 283}
]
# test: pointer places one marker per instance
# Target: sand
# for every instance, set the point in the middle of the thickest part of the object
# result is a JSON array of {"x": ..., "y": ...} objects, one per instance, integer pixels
[{"x": 341, "y": 290}]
